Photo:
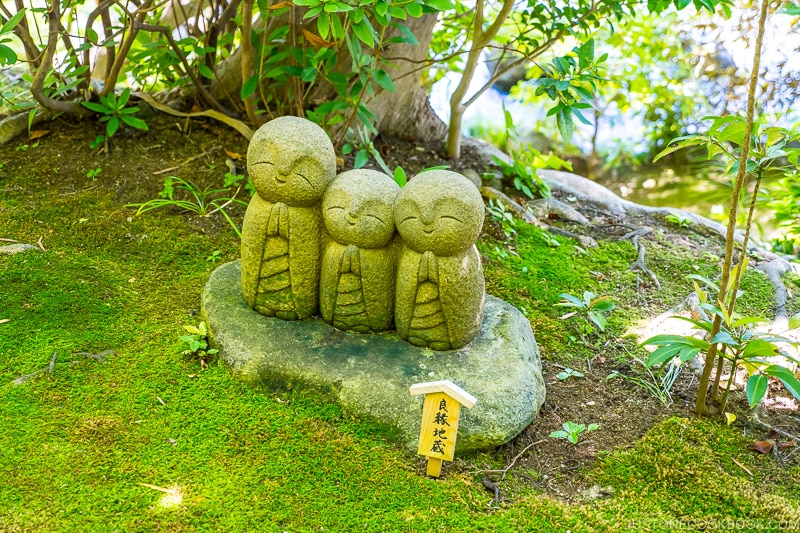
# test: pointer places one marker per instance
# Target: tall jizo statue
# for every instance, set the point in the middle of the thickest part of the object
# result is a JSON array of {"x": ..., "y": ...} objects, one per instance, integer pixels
[
  {"x": 440, "y": 286},
  {"x": 358, "y": 265},
  {"x": 291, "y": 162}
]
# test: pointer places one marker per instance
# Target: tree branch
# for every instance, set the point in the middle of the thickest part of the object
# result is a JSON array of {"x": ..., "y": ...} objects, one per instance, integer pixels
[{"x": 37, "y": 84}]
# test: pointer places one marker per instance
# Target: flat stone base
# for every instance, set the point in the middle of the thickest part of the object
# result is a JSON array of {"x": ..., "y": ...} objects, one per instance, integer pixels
[{"x": 369, "y": 375}]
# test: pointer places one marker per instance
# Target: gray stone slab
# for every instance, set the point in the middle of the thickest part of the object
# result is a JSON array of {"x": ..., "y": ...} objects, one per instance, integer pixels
[{"x": 369, "y": 375}]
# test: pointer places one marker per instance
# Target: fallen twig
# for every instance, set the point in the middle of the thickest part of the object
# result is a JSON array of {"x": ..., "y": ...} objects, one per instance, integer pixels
[
  {"x": 187, "y": 161},
  {"x": 7, "y": 240},
  {"x": 40, "y": 245},
  {"x": 53, "y": 362},
  {"x": 511, "y": 464},
  {"x": 740, "y": 465}
]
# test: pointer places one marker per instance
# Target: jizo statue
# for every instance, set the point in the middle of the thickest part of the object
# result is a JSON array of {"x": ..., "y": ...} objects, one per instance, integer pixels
[
  {"x": 312, "y": 243},
  {"x": 291, "y": 161}
]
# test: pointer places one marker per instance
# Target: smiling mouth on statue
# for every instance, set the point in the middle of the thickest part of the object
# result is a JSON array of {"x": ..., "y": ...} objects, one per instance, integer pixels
[{"x": 279, "y": 180}]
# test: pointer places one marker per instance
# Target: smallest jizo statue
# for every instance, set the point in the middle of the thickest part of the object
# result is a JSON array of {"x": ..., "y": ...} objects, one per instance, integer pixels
[
  {"x": 358, "y": 267},
  {"x": 440, "y": 285}
]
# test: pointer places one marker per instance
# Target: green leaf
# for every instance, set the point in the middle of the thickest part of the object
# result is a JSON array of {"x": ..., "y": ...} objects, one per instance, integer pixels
[
  {"x": 787, "y": 378},
  {"x": 586, "y": 54},
  {"x": 414, "y": 9},
  {"x": 759, "y": 348},
  {"x": 565, "y": 125},
  {"x": 134, "y": 122},
  {"x": 788, "y": 9},
  {"x": 97, "y": 108},
  {"x": 123, "y": 98},
  {"x": 324, "y": 25},
  {"x": 756, "y": 388},
  {"x": 7, "y": 55},
  {"x": 747, "y": 320},
  {"x": 12, "y": 22},
  {"x": 599, "y": 319},
  {"x": 660, "y": 340},
  {"x": 364, "y": 33},
  {"x": 663, "y": 354},
  {"x": 558, "y": 434},
  {"x": 384, "y": 80},
  {"x": 308, "y": 74},
  {"x": 249, "y": 87},
  {"x": 571, "y": 301},
  {"x": 400, "y": 177},
  {"x": 603, "y": 304},
  {"x": 112, "y": 126},
  {"x": 723, "y": 337},
  {"x": 362, "y": 156},
  {"x": 440, "y": 5},
  {"x": 689, "y": 353},
  {"x": 206, "y": 72},
  {"x": 398, "y": 12}
]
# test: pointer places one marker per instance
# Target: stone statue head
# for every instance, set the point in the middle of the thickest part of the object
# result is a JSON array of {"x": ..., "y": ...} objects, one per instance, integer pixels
[
  {"x": 439, "y": 211},
  {"x": 291, "y": 160},
  {"x": 357, "y": 208}
]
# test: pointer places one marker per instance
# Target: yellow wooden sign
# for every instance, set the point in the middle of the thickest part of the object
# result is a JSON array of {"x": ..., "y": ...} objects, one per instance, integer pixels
[{"x": 440, "y": 414}]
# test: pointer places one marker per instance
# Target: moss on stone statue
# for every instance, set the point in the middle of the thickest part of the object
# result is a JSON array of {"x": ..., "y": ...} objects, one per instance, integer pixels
[
  {"x": 291, "y": 161},
  {"x": 440, "y": 285},
  {"x": 358, "y": 265}
]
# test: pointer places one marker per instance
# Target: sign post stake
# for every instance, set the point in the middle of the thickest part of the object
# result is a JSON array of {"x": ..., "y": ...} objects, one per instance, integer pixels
[{"x": 440, "y": 414}]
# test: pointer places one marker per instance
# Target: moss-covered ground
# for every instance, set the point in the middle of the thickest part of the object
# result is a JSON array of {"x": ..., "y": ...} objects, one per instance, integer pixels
[{"x": 89, "y": 446}]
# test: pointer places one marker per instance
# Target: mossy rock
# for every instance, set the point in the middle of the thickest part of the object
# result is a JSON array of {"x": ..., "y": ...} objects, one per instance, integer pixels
[{"x": 370, "y": 375}]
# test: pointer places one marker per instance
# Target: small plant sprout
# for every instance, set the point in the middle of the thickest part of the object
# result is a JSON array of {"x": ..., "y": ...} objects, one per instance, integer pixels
[
  {"x": 93, "y": 173},
  {"x": 569, "y": 373},
  {"x": 197, "y": 344},
  {"x": 497, "y": 210},
  {"x": 115, "y": 113},
  {"x": 679, "y": 219},
  {"x": 572, "y": 431},
  {"x": 658, "y": 383},
  {"x": 592, "y": 307},
  {"x": 203, "y": 202},
  {"x": 215, "y": 256}
]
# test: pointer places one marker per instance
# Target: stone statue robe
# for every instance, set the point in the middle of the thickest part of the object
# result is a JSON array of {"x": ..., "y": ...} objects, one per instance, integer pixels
[
  {"x": 439, "y": 300},
  {"x": 281, "y": 248}
]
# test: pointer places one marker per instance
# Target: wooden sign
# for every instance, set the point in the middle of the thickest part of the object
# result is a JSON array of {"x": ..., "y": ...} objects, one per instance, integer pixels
[{"x": 440, "y": 414}]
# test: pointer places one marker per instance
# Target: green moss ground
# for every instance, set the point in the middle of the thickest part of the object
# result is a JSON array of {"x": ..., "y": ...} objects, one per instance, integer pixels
[{"x": 76, "y": 445}]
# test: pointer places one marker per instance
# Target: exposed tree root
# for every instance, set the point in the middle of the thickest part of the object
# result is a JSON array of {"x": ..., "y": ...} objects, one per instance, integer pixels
[
  {"x": 639, "y": 263},
  {"x": 774, "y": 270},
  {"x": 754, "y": 422},
  {"x": 584, "y": 240}
]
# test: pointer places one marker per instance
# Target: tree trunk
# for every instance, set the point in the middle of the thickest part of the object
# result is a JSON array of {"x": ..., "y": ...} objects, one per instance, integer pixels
[{"x": 408, "y": 113}]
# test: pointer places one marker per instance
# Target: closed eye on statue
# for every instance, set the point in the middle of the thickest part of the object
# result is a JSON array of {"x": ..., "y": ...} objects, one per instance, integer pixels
[
  {"x": 408, "y": 219},
  {"x": 305, "y": 178},
  {"x": 379, "y": 219},
  {"x": 331, "y": 208},
  {"x": 264, "y": 163},
  {"x": 451, "y": 217}
]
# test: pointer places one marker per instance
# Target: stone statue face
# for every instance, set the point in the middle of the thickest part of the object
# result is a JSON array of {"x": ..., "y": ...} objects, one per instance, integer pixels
[
  {"x": 439, "y": 211},
  {"x": 291, "y": 160},
  {"x": 357, "y": 208}
]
